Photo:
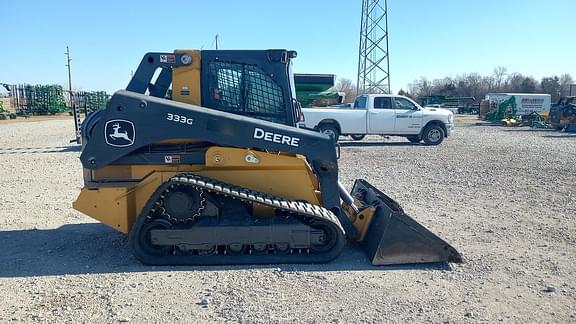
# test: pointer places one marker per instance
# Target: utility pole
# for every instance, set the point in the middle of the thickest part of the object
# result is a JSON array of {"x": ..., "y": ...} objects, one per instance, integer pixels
[
  {"x": 75, "y": 111},
  {"x": 373, "y": 60}
]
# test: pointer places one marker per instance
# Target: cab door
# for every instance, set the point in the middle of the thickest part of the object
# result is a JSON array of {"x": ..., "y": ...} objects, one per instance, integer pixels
[
  {"x": 381, "y": 116},
  {"x": 408, "y": 116}
]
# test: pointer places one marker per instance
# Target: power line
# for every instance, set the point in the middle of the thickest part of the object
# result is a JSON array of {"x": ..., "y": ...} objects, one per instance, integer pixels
[{"x": 75, "y": 111}]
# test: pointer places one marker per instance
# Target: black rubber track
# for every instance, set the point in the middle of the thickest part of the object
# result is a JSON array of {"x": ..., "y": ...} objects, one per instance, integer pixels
[{"x": 307, "y": 213}]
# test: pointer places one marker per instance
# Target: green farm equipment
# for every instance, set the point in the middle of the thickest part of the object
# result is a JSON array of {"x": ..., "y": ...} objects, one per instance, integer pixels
[
  {"x": 506, "y": 110},
  {"x": 314, "y": 87}
]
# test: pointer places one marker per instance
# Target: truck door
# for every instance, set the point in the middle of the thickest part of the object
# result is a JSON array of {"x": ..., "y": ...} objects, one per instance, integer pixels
[
  {"x": 408, "y": 116},
  {"x": 381, "y": 116}
]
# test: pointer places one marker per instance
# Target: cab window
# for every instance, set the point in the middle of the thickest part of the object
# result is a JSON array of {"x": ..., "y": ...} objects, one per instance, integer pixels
[
  {"x": 382, "y": 103},
  {"x": 360, "y": 103},
  {"x": 244, "y": 89},
  {"x": 402, "y": 103}
]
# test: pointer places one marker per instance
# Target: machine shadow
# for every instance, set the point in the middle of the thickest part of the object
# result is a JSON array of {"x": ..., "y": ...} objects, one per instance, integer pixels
[
  {"x": 372, "y": 144},
  {"x": 94, "y": 248},
  {"x": 531, "y": 130},
  {"x": 564, "y": 135},
  {"x": 48, "y": 149}
]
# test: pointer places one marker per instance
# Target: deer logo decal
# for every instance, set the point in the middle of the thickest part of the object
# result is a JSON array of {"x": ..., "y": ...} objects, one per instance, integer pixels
[{"x": 119, "y": 133}]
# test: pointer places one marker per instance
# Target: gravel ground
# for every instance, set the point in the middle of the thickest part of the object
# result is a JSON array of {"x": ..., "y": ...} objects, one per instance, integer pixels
[{"x": 504, "y": 197}]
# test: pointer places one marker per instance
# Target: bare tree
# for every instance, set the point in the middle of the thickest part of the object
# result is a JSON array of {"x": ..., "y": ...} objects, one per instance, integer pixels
[
  {"x": 413, "y": 88},
  {"x": 474, "y": 81},
  {"x": 551, "y": 86},
  {"x": 348, "y": 87},
  {"x": 421, "y": 87},
  {"x": 445, "y": 86},
  {"x": 529, "y": 85},
  {"x": 499, "y": 73},
  {"x": 514, "y": 82},
  {"x": 565, "y": 82}
]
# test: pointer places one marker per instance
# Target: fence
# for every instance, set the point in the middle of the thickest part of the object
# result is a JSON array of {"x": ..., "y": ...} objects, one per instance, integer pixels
[
  {"x": 89, "y": 101},
  {"x": 27, "y": 99}
]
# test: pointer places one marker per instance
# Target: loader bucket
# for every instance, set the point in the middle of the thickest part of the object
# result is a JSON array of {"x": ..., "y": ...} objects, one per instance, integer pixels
[{"x": 393, "y": 237}]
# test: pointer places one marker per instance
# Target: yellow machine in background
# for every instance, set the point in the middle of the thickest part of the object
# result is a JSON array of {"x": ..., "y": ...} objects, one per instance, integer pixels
[{"x": 563, "y": 113}]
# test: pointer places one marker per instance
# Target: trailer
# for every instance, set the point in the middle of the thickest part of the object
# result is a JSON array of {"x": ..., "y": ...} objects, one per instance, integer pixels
[{"x": 518, "y": 104}]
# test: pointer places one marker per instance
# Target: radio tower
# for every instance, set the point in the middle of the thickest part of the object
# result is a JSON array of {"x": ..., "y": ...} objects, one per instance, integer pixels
[{"x": 373, "y": 60}]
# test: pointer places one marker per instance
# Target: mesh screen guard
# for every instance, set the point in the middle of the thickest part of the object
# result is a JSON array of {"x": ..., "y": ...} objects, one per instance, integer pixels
[{"x": 246, "y": 89}]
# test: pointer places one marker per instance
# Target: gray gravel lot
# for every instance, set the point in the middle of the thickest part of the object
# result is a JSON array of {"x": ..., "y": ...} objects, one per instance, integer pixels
[{"x": 504, "y": 197}]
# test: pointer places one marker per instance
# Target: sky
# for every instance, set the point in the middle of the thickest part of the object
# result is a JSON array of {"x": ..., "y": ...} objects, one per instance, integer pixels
[{"x": 431, "y": 39}]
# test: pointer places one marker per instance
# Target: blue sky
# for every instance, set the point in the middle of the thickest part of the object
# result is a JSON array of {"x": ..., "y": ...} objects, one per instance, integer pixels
[{"x": 427, "y": 38}]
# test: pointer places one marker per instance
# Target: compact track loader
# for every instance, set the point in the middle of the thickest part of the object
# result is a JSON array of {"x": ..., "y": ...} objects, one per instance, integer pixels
[{"x": 204, "y": 165}]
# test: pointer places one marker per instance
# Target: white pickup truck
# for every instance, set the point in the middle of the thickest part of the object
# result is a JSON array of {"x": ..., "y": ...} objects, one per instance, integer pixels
[{"x": 382, "y": 114}]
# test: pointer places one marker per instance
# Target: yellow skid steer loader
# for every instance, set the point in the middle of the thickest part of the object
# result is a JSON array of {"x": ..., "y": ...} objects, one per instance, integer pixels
[{"x": 200, "y": 162}]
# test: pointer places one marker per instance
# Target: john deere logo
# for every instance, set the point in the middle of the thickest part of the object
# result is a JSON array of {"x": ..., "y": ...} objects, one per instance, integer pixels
[{"x": 119, "y": 133}]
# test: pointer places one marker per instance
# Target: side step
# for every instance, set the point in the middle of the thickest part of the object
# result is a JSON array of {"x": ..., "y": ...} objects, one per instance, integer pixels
[{"x": 394, "y": 237}]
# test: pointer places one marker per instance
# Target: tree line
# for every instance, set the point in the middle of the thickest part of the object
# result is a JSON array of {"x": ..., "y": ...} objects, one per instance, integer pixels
[{"x": 476, "y": 85}]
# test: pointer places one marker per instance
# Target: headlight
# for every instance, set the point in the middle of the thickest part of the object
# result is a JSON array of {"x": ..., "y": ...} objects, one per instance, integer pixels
[{"x": 450, "y": 118}]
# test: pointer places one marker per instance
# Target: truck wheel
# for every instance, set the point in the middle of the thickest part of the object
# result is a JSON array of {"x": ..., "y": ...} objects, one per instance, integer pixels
[
  {"x": 358, "y": 137},
  {"x": 433, "y": 135},
  {"x": 330, "y": 130},
  {"x": 414, "y": 139}
]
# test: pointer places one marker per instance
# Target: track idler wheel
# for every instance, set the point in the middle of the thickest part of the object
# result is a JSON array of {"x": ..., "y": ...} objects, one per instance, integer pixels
[
  {"x": 329, "y": 237},
  {"x": 144, "y": 238}
]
